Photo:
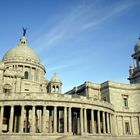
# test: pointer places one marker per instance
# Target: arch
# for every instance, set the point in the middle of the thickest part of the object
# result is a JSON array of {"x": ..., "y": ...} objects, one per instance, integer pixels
[{"x": 26, "y": 75}]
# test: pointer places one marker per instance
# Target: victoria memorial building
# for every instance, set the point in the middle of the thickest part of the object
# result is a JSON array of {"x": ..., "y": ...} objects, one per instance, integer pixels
[{"x": 31, "y": 105}]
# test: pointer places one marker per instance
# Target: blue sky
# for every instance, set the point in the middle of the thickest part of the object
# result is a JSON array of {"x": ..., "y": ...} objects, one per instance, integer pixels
[{"x": 80, "y": 40}]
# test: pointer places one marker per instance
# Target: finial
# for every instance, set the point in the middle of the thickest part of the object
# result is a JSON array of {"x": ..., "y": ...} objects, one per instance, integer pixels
[{"x": 24, "y": 31}]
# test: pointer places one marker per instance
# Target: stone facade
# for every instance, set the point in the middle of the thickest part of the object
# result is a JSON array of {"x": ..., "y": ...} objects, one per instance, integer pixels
[{"x": 31, "y": 104}]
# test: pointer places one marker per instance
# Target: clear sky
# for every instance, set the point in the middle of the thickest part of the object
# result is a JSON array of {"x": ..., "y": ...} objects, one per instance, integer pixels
[{"x": 80, "y": 40}]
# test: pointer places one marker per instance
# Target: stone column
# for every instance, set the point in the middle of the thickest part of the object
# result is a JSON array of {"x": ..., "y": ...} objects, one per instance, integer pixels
[
  {"x": 15, "y": 123},
  {"x": 65, "y": 119},
  {"x": 21, "y": 120},
  {"x": 39, "y": 112},
  {"x": 139, "y": 124},
  {"x": 111, "y": 125},
  {"x": 104, "y": 127},
  {"x": 110, "y": 122},
  {"x": 123, "y": 125},
  {"x": 55, "y": 120},
  {"x": 81, "y": 120},
  {"x": 69, "y": 119},
  {"x": 108, "y": 126},
  {"x": 116, "y": 125},
  {"x": 44, "y": 120},
  {"x": 30, "y": 75},
  {"x": 50, "y": 120},
  {"x": 98, "y": 118},
  {"x": 131, "y": 125},
  {"x": 33, "y": 119},
  {"x": 11, "y": 119},
  {"x": 78, "y": 125},
  {"x": 85, "y": 120},
  {"x": 1, "y": 118},
  {"x": 92, "y": 121},
  {"x": 112, "y": 129}
]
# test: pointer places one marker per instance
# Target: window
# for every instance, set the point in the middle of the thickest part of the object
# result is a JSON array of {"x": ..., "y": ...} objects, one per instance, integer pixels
[
  {"x": 125, "y": 102},
  {"x": 26, "y": 89},
  {"x": 127, "y": 128},
  {"x": 26, "y": 75},
  {"x": 104, "y": 99},
  {"x": 7, "y": 89}
]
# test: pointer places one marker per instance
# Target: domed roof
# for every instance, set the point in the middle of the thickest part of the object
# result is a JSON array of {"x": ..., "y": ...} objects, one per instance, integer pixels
[
  {"x": 21, "y": 52},
  {"x": 55, "y": 78},
  {"x": 137, "y": 46}
]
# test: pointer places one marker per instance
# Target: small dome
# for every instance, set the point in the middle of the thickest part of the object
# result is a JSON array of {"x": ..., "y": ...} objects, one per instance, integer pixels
[
  {"x": 55, "y": 78},
  {"x": 137, "y": 46},
  {"x": 21, "y": 52}
]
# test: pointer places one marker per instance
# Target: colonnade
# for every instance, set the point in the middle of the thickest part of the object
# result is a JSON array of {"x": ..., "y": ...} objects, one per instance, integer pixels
[{"x": 54, "y": 119}]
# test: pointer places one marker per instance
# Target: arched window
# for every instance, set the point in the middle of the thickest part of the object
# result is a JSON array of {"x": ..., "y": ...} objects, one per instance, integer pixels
[
  {"x": 57, "y": 88},
  {"x": 53, "y": 88},
  {"x": 26, "y": 75}
]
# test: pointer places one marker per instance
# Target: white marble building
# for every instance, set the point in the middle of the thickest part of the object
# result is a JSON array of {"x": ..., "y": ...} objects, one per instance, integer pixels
[{"x": 31, "y": 104}]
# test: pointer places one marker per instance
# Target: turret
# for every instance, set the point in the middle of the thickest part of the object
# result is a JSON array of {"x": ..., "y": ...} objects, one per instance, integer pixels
[
  {"x": 55, "y": 85},
  {"x": 134, "y": 72}
]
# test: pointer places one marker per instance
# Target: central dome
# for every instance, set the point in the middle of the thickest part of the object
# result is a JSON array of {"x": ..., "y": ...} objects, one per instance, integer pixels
[{"x": 21, "y": 52}]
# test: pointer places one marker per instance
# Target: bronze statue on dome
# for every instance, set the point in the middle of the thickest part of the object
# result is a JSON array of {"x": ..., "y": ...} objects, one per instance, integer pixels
[{"x": 24, "y": 31}]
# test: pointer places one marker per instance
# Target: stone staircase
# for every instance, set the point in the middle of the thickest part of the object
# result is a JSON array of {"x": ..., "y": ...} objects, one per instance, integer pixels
[{"x": 60, "y": 137}]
